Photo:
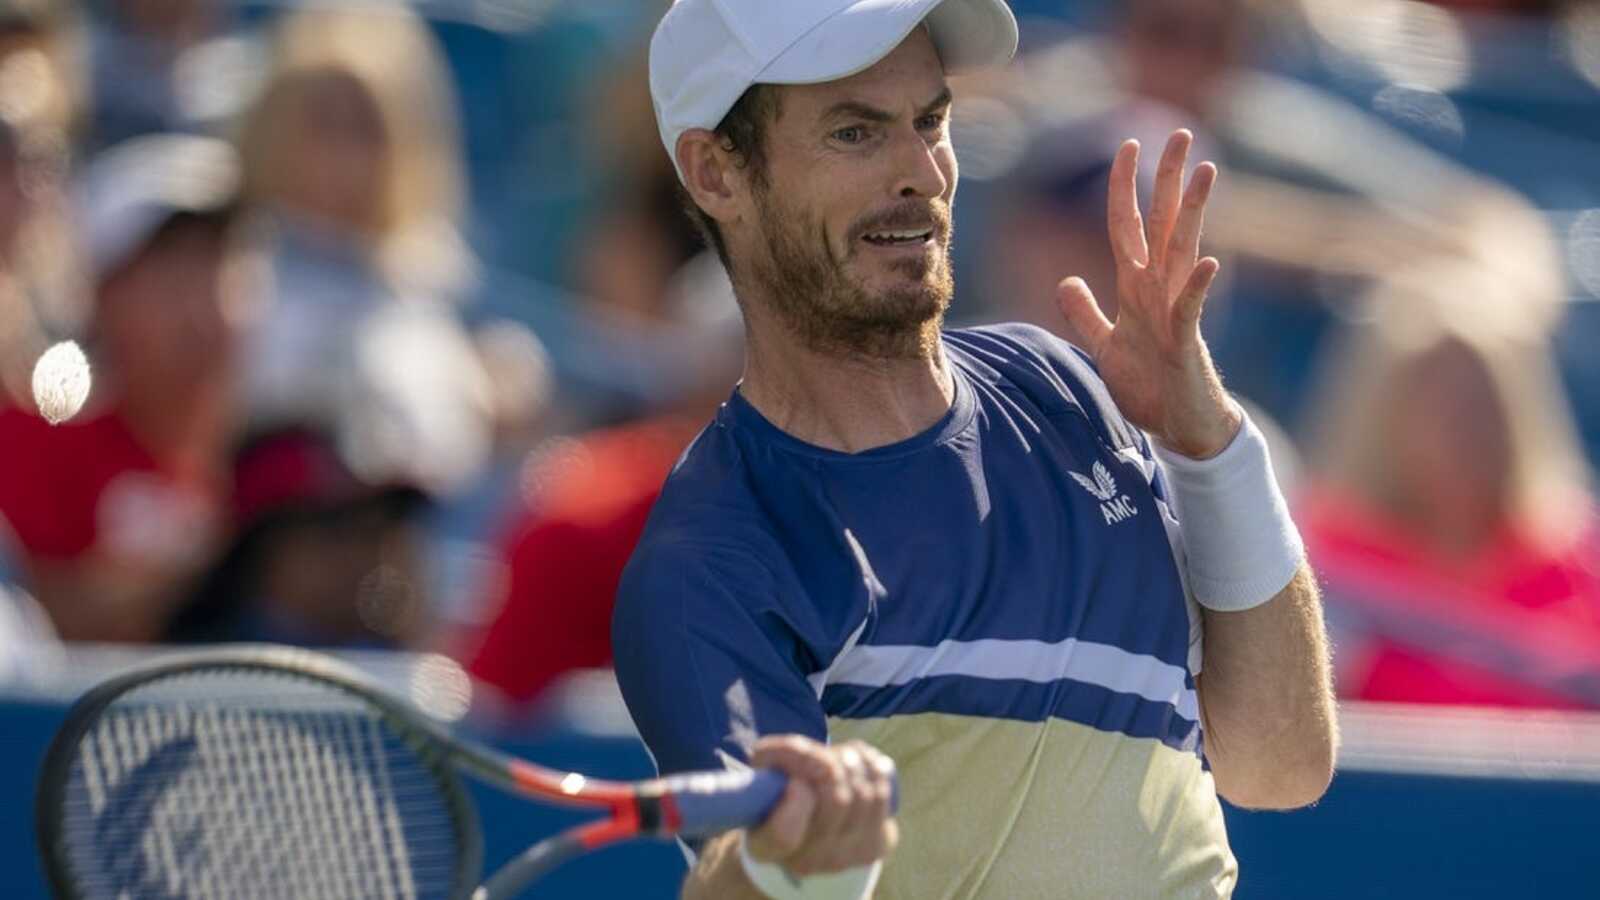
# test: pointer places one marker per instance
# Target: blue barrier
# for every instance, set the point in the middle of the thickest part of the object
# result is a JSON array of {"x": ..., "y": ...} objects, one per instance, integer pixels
[{"x": 1451, "y": 805}]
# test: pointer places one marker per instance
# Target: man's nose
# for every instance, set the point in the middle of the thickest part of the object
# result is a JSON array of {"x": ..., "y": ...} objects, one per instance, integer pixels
[{"x": 917, "y": 167}]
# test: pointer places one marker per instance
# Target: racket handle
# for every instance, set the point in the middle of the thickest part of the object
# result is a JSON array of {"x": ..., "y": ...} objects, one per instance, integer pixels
[{"x": 713, "y": 802}]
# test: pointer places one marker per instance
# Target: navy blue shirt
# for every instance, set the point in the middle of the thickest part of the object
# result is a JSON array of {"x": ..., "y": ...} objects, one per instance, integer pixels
[{"x": 1004, "y": 587}]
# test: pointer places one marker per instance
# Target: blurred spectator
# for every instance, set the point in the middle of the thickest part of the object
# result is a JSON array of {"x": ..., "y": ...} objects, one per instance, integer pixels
[
  {"x": 1449, "y": 511},
  {"x": 631, "y": 341},
  {"x": 652, "y": 346},
  {"x": 40, "y": 293},
  {"x": 351, "y": 161},
  {"x": 116, "y": 510},
  {"x": 40, "y": 44},
  {"x": 582, "y": 504},
  {"x": 462, "y": 525},
  {"x": 319, "y": 558},
  {"x": 158, "y": 66},
  {"x": 1179, "y": 52},
  {"x": 587, "y": 501},
  {"x": 637, "y": 236},
  {"x": 519, "y": 374},
  {"x": 539, "y": 120}
]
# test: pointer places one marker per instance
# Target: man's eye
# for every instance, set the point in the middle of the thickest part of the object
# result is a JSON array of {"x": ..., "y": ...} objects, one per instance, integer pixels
[
  {"x": 855, "y": 134},
  {"x": 930, "y": 122}
]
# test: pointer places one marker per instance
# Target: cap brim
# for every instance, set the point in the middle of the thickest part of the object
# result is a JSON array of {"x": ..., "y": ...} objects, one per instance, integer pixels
[
  {"x": 968, "y": 34},
  {"x": 133, "y": 189}
]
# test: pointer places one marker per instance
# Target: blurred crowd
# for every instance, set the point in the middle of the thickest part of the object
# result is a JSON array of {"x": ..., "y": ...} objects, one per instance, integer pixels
[{"x": 396, "y": 324}]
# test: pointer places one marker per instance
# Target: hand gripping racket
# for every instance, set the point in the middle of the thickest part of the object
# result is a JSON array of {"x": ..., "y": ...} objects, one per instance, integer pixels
[{"x": 271, "y": 772}]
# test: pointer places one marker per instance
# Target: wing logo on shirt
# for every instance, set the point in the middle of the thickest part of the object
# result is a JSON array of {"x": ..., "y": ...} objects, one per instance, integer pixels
[{"x": 1114, "y": 507}]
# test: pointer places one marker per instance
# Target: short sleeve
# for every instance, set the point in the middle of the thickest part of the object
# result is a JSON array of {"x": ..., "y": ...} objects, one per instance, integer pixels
[{"x": 706, "y": 661}]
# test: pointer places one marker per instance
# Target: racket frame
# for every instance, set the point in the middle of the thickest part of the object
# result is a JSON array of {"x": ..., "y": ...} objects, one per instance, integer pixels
[
  {"x": 635, "y": 808},
  {"x": 435, "y": 749}
]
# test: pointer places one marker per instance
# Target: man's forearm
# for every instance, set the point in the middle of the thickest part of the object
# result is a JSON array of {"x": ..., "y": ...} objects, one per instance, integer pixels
[{"x": 1266, "y": 699}]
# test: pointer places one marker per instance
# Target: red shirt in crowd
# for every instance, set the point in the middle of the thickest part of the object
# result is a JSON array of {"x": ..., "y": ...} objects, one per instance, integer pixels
[
  {"x": 1513, "y": 625},
  {"x": 88, "y": 494},
  {"x": 588, "y": 499}
]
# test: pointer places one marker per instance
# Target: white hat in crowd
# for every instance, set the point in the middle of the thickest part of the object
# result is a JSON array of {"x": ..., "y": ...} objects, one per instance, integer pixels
[{"x": 131, "y": 190}]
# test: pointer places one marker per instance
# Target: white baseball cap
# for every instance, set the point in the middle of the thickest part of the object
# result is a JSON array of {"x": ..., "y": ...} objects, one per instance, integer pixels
[
  {"x": 129, "y": 191},
  {"x": 706, "y": 53}
]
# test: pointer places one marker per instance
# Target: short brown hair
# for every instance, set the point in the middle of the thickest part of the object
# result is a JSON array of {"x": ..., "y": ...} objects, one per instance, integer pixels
[{"x": 743, "y": 131}]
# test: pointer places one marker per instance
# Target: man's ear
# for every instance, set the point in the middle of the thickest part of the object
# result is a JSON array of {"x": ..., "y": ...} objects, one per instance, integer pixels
[{"x": 711, "y": 174}]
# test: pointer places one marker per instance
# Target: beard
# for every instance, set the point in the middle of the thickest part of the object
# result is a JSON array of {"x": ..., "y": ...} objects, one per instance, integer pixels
[{"x": 814, "y": 296}]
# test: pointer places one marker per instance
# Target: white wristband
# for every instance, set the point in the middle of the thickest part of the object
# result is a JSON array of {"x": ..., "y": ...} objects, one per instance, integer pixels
[
  {"x": 776, "y": 882},
  {"x": 1242, "y": 546}
]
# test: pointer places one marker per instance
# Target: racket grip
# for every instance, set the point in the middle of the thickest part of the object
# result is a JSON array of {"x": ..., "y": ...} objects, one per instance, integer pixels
[{"x": 712, "y": 802}]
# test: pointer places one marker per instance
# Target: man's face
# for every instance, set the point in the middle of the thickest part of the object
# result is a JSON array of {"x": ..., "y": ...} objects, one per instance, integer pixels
[{"x": 848, "y": 236}]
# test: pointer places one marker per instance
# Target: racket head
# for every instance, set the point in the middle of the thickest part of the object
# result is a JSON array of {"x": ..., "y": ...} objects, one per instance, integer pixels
[{"x": 252, "y": 772}]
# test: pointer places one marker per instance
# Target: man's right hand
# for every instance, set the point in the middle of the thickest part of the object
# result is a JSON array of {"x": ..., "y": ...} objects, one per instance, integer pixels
[{"x": 834, "y": 815}]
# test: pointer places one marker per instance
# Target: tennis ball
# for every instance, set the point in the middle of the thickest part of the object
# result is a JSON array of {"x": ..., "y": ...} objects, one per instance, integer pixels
[{"x": 61, "y": 382}]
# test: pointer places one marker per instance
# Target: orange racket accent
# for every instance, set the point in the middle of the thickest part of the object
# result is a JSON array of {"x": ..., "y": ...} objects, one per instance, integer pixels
[
  {"x": 624, "y": 824},
  {"x": 671, "y": 816}
]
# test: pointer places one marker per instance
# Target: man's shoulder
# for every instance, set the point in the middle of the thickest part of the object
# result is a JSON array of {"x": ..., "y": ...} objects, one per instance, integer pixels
[
  {"x": 706, "y": 514},
  {"x": 709, "y": 482},
  {"x": 681, "y": 573}
]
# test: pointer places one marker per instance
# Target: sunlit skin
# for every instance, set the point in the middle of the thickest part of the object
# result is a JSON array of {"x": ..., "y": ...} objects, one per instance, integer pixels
[
  {"x": 846, "y": 160},
  {"x": 841, "y": 334},
  {"x": 1153, "y": 358}
]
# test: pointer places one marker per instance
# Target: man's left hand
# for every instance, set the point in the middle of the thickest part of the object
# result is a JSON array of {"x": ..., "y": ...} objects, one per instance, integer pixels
[{"x": 1152, "y": 358}]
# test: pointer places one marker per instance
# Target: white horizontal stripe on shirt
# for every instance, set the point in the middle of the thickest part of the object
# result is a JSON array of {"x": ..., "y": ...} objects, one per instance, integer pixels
[{"x": 1104, "y": 665}]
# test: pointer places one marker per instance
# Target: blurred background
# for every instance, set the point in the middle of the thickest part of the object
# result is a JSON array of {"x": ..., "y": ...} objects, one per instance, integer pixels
[{"x": 397, "y": 326}]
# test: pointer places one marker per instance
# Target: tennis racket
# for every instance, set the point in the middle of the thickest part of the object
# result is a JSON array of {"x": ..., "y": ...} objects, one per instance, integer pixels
[{"x": 272, "y": 772}]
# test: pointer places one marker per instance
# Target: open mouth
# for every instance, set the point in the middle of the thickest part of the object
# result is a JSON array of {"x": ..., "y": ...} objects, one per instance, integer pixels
[{"x": 898, "y": 238}]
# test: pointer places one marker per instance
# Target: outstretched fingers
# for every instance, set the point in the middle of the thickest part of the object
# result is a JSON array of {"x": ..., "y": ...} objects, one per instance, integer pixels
[
  {"x": 1183, "y": 248},
  {"x": 1083, "y": 314},
  {"x": 1168, "y": 195},
  {"x": 1191, "y": 302},
  {"x": 1122, "y": 208}
]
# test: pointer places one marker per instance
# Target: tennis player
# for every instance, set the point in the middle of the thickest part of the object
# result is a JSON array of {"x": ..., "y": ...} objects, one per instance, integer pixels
[{"x": 983, "y": 553}]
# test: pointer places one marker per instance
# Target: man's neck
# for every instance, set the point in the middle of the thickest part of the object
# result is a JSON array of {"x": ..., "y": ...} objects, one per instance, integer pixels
[{"x": 845, "y": 402}]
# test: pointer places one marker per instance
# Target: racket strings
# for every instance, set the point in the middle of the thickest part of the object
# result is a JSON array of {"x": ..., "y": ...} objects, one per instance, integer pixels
[{"x": 264, "y": 789}]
